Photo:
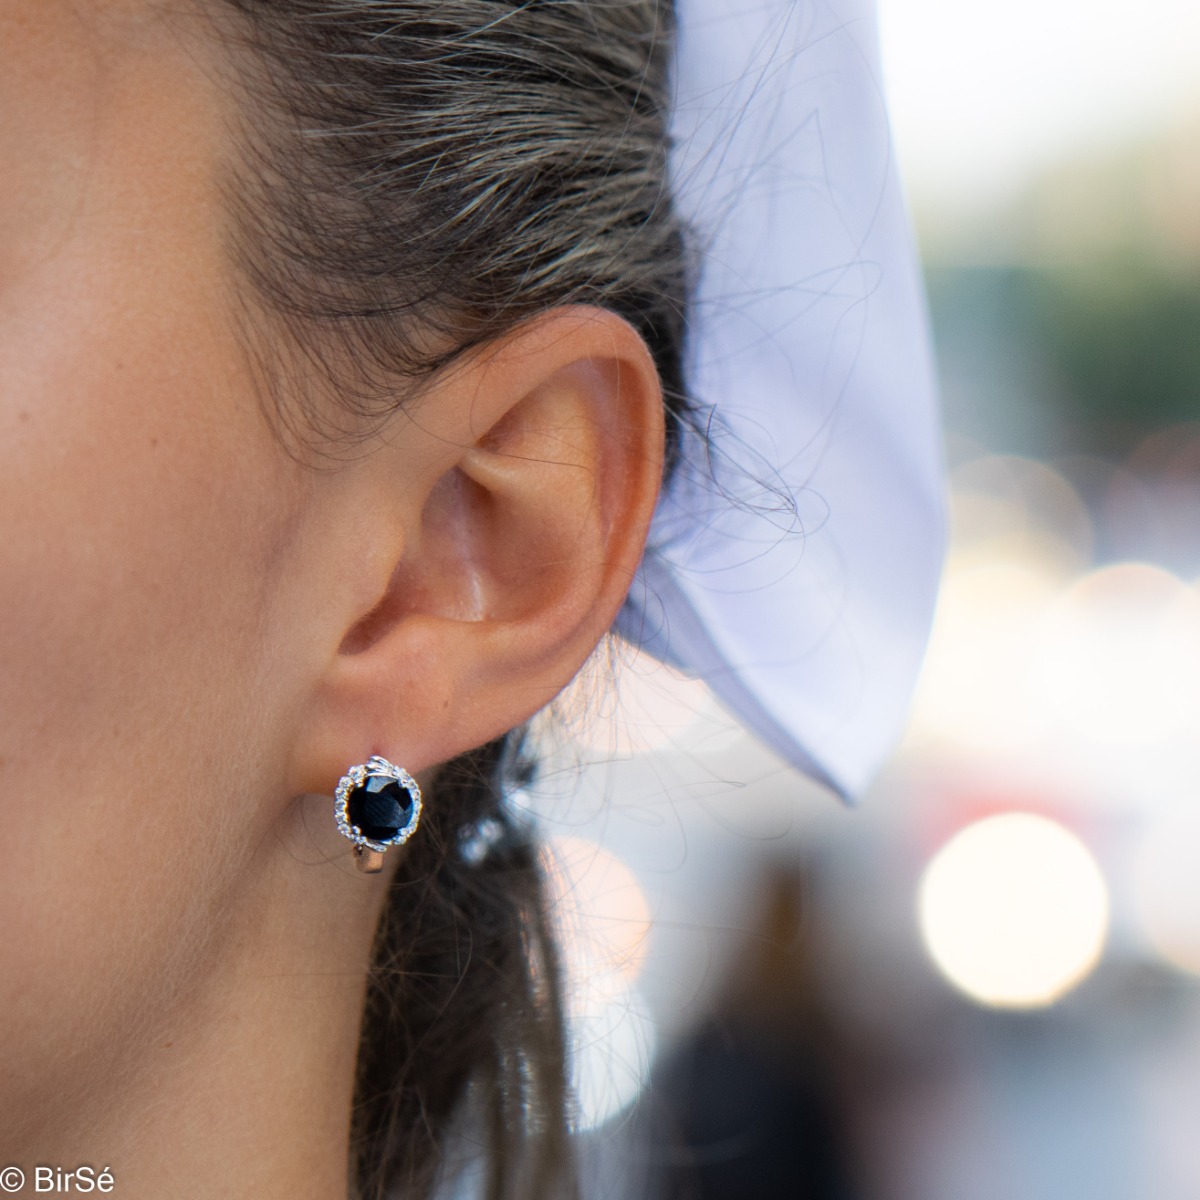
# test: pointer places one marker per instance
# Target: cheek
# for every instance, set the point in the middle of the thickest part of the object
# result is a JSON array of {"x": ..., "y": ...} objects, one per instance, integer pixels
[
  {"x": 142, "y": 495},
  {"x": 146, "y": 511},
  {"x": 144, "y": 517}
]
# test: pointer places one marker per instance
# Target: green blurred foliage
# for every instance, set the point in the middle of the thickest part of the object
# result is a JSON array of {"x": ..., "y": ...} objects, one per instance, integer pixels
[
  {"x": 1105, "y": 352},
  {"x": 1122, "y": 339},
  {"x": 1069, "y": 319}
]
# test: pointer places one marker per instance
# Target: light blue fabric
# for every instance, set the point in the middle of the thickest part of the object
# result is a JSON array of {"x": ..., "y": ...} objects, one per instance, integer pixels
[{"x": 794, "y": 559}]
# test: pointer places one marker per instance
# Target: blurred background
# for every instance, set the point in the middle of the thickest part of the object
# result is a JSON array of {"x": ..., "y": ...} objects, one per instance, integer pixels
[{"x": 984, "y": 983}]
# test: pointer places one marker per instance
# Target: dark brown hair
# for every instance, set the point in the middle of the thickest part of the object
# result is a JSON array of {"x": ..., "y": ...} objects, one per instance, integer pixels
[{"x": 415, "y": 179}]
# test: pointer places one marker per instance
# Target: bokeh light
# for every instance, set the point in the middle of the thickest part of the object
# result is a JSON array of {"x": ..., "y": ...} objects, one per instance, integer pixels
[
  {"x": 602, "y": 910},
  {"x": 1020, "y": 534},
  {"x": 1001, "y": 503},
  {"x": 603, "y": 923},
  {"x": 1166, "y": 886},
  {"x": 1013, "y": 910},
  {"x": 612, "y": 1051},
  {"x": 974, "y": 687},
  {"x": 1118, "y": 662}
]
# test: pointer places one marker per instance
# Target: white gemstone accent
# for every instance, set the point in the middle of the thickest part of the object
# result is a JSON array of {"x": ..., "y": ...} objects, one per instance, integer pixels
[{"x": 355, "y": 777}]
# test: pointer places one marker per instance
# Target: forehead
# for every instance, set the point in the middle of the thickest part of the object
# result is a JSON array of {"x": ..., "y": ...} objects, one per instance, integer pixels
[
  {"x": 99, "y": 99},
  {"x": 68, "y": 47},
  {"x": 64, "y": 17},
  {"x": 65, "y": 28},
  {"x": 67, "y": 43}
]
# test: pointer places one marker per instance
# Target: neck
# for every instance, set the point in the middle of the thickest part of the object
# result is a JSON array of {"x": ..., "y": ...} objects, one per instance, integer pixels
[{"x": 243, "y": 1086}]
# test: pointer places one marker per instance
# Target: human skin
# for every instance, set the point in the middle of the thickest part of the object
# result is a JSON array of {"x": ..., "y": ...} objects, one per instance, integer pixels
[{"x": 200, "y": 630}]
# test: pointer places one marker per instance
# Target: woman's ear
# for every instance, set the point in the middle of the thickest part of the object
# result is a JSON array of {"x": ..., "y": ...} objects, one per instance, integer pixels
[{"x": 516, "y": 498}]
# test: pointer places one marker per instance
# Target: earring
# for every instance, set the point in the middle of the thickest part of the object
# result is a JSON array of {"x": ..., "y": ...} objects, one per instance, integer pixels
[{"x": 376, "y": 805}]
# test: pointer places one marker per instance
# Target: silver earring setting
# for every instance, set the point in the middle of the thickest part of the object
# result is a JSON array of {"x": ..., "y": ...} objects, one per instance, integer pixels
[{"x": 376, "y": 805}]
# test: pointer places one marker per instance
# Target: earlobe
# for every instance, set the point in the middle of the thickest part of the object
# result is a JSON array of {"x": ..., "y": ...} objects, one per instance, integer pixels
[{"x": 515, "y": 558}]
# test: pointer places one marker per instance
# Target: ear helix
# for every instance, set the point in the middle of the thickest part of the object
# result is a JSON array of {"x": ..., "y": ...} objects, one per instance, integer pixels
[{"x": 376, "y": 805}]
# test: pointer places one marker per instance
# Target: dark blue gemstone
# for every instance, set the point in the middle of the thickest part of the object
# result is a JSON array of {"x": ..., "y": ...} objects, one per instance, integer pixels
[{"x": 380, "y": 808}]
